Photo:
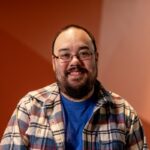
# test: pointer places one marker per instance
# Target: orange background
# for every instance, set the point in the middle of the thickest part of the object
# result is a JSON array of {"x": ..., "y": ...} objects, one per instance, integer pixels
[{"x": 122, "y": 30}]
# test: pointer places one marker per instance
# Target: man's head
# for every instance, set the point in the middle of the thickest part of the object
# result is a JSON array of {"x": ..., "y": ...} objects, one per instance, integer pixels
[{"x": 75, "y": 61}]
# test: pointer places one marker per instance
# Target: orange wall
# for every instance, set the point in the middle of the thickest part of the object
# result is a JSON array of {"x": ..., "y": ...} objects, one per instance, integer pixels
[
  {"x": 26, "y": 31},
  {"x": 120, "y": 27}
]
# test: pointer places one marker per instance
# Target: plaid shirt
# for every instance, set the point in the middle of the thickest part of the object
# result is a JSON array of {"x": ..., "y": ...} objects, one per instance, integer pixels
[{"x": 37, "y": 123}]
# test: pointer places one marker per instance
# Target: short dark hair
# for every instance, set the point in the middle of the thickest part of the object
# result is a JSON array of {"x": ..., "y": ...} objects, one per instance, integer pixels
[{"x": 78, "y": 27}]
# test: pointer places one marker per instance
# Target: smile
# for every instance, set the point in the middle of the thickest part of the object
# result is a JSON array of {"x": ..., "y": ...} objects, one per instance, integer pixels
[{"x": 75, "y": 73}]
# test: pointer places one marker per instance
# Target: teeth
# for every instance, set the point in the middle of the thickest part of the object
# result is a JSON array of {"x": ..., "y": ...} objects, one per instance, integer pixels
[{"x": 75, "y": 73}]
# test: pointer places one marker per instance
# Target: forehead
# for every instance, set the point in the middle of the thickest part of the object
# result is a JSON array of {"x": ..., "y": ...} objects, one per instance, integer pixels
[{"x": 72, "y": 37}]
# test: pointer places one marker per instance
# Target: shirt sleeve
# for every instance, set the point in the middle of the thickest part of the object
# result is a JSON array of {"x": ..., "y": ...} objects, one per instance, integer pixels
[
  {"x": 136, "y": 139},
  {"x": 14, "y": 137}
]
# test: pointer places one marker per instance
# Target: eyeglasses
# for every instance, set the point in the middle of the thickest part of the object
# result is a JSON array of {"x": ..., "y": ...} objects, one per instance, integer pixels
[{"x": 81, "y": 55}]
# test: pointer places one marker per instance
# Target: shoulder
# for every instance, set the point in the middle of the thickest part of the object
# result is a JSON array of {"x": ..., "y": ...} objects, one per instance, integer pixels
[
  {"x": 45, "y": 93},
  {"x": 121, "y": 105},
  {"x": 119, "y": 100},
  {"x": 39, "y": 97}
]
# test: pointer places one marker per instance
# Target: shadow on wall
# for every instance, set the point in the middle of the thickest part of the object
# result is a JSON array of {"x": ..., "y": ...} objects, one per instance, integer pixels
[{"x": 22, "y": 70}]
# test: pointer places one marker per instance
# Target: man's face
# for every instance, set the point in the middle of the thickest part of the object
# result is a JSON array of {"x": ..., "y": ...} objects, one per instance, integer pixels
[{"x": 76, "y": 77}]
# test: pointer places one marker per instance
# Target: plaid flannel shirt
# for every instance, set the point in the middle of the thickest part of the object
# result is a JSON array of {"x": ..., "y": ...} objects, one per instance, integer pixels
[{"x": 37, "y": 123}]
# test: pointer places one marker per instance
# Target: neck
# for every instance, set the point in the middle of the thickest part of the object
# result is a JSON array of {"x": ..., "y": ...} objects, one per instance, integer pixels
[{"x": 81, "y": 99}]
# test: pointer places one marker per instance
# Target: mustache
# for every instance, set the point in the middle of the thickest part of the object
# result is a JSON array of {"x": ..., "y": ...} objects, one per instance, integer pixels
[{"x": 76, "y": 68}]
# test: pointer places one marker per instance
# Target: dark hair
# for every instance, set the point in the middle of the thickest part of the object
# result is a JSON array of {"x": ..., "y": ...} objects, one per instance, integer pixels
[{"x": 78, "y": 27}]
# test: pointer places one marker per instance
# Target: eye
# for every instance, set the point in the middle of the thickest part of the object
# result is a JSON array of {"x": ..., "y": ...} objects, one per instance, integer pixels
[
  {"x": 84, "y": 54},
  {"x": 65, "y": 56}
]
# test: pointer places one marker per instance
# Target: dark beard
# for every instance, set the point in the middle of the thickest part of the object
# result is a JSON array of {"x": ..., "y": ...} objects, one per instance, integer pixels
[{"x": 80, "y": 91}]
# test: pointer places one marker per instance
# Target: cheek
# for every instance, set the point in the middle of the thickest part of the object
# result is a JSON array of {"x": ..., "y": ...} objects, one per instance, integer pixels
[
  {"x": 60, "y": 69},
  {"x": 91, "y": 67}
]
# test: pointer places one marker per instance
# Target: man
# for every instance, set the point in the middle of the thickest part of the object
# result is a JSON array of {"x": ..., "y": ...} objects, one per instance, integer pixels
[{"x": 76, "y": 112}]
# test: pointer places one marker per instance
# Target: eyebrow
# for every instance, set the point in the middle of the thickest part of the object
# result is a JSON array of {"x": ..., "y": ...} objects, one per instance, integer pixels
[
  {"x": 63, "y": 49},
  {"x": 84, "y": 47},
  {"x": 67, "y": 49}
]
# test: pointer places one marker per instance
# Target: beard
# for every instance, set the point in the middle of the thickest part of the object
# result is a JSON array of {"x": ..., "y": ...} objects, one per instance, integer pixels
[{"x": 80, "y": 90}]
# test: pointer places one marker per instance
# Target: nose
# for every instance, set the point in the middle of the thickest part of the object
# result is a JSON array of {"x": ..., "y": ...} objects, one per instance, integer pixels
[{"x": 75, "y": 60}]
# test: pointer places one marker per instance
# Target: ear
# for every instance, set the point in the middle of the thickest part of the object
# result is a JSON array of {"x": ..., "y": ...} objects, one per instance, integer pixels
[
  {"x": 96, "y": 56},
  {"x": 53, "y": 63}
]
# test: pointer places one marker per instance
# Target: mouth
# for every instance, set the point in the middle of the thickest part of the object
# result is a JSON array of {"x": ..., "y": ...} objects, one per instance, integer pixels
[{"x": 76, "y": 72}]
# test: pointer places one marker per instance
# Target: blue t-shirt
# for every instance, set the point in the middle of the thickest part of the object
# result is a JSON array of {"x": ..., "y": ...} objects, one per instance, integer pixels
[{"x": 76, "y": 115}]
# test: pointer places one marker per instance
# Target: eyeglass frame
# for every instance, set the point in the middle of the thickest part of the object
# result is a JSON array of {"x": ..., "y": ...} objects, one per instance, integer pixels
[{"x": 77, "y": 56}]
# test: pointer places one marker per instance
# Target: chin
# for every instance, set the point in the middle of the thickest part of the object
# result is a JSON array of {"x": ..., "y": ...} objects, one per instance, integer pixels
[{"x": 77, "y": 83}]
